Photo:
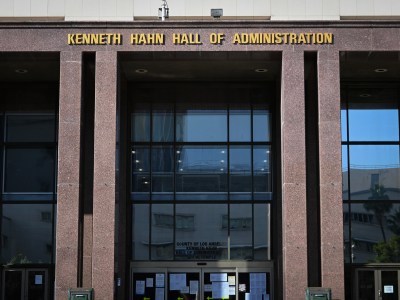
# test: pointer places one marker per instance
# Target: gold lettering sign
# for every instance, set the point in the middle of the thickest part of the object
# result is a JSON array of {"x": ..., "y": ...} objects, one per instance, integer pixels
[
  {"x": 239, "y": 38},
  {"x": 94, "y": 39}
]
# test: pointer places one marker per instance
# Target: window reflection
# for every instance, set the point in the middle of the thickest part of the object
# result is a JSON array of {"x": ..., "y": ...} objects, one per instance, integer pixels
[
  {"x": 141, "y": 125},
  {"x": 262, "y": 172},
  {"x": 375, "y": 232},
  {"x": 26, "y": 231},
  {"x": 240, "y": 125},
  {"x": 30, "y": 128},
  {"x": 241, "y": 227},
  {"x": 208, "y": 240},
  {"x": 262, "y": 223},
  {"x": 163, "y": 125},
  {"x": 201, "y": 169},
  {"x": 29, "y": 170},
  {"x": 378, "y": 164},
  {"x": 240, "y": 173},
  {"x": 261, "y": 132},
  {"x": 162, "y": 232},
  {"x": 373, "y": 120},
  {"x": 201, "y": 125},
  {"x": 140, "y": 232}
]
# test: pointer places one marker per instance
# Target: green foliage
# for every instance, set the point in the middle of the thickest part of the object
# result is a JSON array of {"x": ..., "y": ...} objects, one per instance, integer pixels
[{"x": 388, "y": 252}]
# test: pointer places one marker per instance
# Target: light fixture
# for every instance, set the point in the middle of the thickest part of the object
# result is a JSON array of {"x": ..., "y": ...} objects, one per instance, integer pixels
[
  {"x": 21, "y": 71},
  {"x": 137, "y": 161},
  {"x": 163, "y": 11},
  {"x": 141, "y": 71},
  {"x": 365, "y": 95},
  {"x": 216, "y": 13},
  {"x": 261, "y": 70},
  {"x": 380, "y": 70}
]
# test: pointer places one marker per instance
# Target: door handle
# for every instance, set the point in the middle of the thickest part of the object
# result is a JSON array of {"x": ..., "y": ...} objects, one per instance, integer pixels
[{"x": 379, "y": 293}]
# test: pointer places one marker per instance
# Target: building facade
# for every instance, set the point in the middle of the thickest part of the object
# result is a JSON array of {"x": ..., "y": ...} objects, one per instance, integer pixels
[{"x": 250, "y": 155}]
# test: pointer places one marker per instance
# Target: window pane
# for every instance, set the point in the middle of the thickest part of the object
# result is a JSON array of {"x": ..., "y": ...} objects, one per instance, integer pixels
[
  {"x": 208, "y": 240},
  {"x": 346, "y": 233},
  {"x": 345, "y": 174},
  {"x": 344, "y": 123},
  {"x": 201, "y": 125},
  {"x": 141, "y": 125},
  {"x": 241, "y": 229},
  {"x": 262, "y": 172},
  {"x": 26, "y": 233},
  {"x": 369, "y": 121},
  {"x": 162, "y": 165},
  {"x": 377, "y": 162},
  {"x": 140, "y": 232},
  {"x": 29, "y": 170},
  {"x": 261, "y": 126},
  {"x": 163, "y": 125},
  {"x": 375, "y": 228},
  {"x": 30, "y": 128},
  {"x": 262, "y": 221},
  {"x": 141, "y": 171},
  {"x": 162, "y": 232},
  {"x": 201, "y": 171},
  {"x": 240, "y": 173},
  {"x": 239, "y": 125}
]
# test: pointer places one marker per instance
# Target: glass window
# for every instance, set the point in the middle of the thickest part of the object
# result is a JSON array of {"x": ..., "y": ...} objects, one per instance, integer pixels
[
  {"x": 208, "y": 241},
  {"x": 30, "y": 128},
  {"x": 140, "y": 232},
  {"x": 163, "y": 125},
  {"x": 141, "y": 125},
  {"x": 141, "y": 170},
  {"x": 368, "y": 160},
  {"x": 262, "y": 221},
  {"x": 162, "y": 232},
  {"x": 240, "y": 125},
  {"x": 240, "y": 172},
  {"x": 162, "y": 165},
  {"x": 262, "y": 172},
  {"x": 345, "y": 174},
  {"x": 373, "y": 121},
  {"x": 343, "y": 117},
  {"x": 201, "y": 169},
  {"x": 375, "y": 232},
  {"x": 261, "y": 126},
  {"x": 29, "y": 237},
  {"x": 241, "y": 227},
  {"x": 201, "y": 125},
  {"x": 29, "y": 170}
]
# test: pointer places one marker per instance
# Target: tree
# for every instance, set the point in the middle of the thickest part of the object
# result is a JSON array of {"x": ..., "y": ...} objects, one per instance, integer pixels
[
  {"x": 388, "y": 252},
  {"x": 379, "y": 209},
  {"x": 393, "y": 222}
]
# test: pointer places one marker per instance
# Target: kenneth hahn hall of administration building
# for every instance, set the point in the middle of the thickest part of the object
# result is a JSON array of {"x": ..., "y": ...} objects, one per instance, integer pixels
[{"x": 199, "y": 150}]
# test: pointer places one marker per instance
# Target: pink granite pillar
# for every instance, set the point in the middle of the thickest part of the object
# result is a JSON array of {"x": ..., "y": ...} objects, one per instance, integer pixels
[
  {"x": 294, "y": 212},
  {"x": 330, "y": 170},
  {"x": 104, "y": 174},
  {"x": 68, "y": 179}
]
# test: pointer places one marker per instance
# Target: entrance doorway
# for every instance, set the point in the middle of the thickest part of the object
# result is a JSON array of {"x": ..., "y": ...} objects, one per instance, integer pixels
[
  {"x": 201, "y": 283},
  {"x": 377, "y": 284},
  {"x": 25, "y": 284}
]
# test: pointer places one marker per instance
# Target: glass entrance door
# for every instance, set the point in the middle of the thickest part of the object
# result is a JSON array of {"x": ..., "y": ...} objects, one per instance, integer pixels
[
  {"x": 25, "y": 284},
  {"x": 201, "y": 284},
  {"x": 372, "y": 284}
]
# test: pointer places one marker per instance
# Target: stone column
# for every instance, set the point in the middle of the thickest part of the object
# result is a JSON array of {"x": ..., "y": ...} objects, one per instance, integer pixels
[
  {"x": 294, "y": 210},
  {"x": 330, "y": 170},
  {"x": 104, "y": 174},
  {"x": 68, "y": 179}
]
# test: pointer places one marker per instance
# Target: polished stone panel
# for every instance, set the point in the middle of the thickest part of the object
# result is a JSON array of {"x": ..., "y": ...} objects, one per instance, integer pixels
[
  {"x": 294, "y": 213},
  {"x": 68, "y": 179},
  {"x": 104, "y": 174},
  {"x": 330, "y": 170}
]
